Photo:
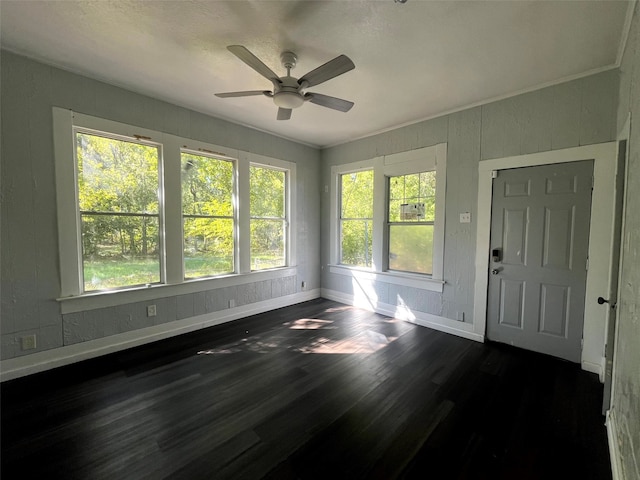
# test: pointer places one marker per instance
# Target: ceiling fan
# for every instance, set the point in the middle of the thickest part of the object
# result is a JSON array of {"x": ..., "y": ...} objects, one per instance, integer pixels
[{"x": 289, "y": 92}]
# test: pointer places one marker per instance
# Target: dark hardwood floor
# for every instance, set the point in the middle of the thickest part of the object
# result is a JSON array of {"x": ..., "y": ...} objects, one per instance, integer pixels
[{"x": 316, "y": 390}]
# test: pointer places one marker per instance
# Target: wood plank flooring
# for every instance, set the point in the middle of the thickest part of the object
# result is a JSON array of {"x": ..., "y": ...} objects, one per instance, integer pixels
[{"x": 316, "y": 390}]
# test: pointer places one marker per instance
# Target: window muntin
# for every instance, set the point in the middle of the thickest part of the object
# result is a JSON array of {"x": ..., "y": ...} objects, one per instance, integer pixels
[
  {"x": 168, "y": 215},
  {"x": 421, "y": 160},
  {"x": 208, "y": 215},
  {"x": 356, "y": 218},
  {"x": 411, "y": 210},
  {"x": 268, "y": 217},
  {"x": 118, "y": 204}
]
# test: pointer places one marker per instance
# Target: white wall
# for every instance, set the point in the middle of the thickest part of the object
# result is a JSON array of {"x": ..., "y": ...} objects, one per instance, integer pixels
[
  {"x": 572, "y": 114},
  {"x": 30, "y": 267},
  {"x": 624, "y": 415}
]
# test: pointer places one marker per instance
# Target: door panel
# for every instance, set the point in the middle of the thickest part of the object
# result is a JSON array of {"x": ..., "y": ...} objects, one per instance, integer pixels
[
  {"x": 511, "y": 301},
  {"x": 558, "y": 232},
  {"x": 540, "y": 224},
  {"x": 553, "y": 310},
  {"x": 514, "y": 237}
]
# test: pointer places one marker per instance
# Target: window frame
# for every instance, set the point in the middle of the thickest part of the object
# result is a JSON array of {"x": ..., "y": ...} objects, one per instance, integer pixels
[
  {"x": 342, "y": 219},
  {"x": 287, "y": 209},
  {"x": 234, "y": 206},
  {"x": 160, "y": 215},
  {"x": 433, "y": 158},
  {"x": 72, "y": 296}
]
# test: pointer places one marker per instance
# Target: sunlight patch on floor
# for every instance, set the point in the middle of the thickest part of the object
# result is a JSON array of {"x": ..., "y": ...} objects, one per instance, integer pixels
[
  {"x": 365, "y": 342},
  {"x": 310, "y": 324}
]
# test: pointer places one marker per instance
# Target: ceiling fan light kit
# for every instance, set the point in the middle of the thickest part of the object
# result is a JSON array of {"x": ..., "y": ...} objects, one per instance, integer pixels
[
  {"x": 288, "y": 92},
  {"x": 288, "y": 99}
]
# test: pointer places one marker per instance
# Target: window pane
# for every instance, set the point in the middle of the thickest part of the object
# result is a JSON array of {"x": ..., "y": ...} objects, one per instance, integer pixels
[
  {"x": 412, "y": 197},
  {"x": 117, "y": 182},
  {"x": 112, "y": 251},
  {"x": 411, "y": 248},
  {"x": 356, "y": 241},
  {"x": 267, "y": 244},
  {"x": 207, "y": 186},
  {"x": 356, "y": 192},
  {"x": 267, "y": 192},
  {"x": 268, "y": 215},
  {"x": 208, "y": 246},
  {"x": 208, "y": 220}
]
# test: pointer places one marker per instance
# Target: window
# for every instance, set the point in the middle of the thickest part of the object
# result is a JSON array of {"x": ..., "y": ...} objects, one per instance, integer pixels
[
  {"x": 208, "y": 215},
  {"x": 118, "y": 185},
  {"x": 268, "y": 217},
  {"x": 356, "y": 218},
  {"x": 140, "y": 209},
  {"x": 389, "y": 217},
  {"x": 411, "y": 215}
]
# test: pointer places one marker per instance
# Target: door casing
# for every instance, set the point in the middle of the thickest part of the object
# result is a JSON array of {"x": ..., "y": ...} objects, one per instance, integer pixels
[{"x": 600, "y": 238}]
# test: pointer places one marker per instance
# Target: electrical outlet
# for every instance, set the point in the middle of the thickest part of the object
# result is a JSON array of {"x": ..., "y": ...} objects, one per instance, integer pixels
[
  {"x": 151, "y": 311},
  {"x": 303, "y": 285},
  {"x": 460, "y": 316},
  {"x": 465, "y": 217},
  {"x": 28, "y": 342},
  {"x": 232, "y": 303}
]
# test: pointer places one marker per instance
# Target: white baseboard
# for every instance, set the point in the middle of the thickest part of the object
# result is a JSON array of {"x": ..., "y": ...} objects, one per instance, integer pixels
[
  {"x": 593, "y": 368},
  {"x": 614, "y": 453},
  {"x": 435, "y": 322},
  {"x": 57, "y": 357}
]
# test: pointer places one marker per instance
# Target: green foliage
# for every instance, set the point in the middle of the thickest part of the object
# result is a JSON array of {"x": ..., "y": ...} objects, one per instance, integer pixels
[
  {"x": 207, "y": 207},
  {"x": 357, "y": 243},
  {"x": 356, "y": 211},
  {"x": 118, "y": 201},
  {"x": 356, "y": 195},
  {"x": 118, "y": 184},
  {"x": 267, "y": 211},
  {"x": 413, "y": 188},
  {"x": 105, "y": 273}
]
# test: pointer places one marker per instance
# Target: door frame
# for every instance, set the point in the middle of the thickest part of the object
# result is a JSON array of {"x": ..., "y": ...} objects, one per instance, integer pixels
[
  {"x": 623, "y": 136},
  {"x": 600, "y": 239}
]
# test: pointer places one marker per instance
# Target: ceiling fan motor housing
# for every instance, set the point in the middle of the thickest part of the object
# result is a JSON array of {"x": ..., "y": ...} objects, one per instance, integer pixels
[
  {"x": 287, "y": 92},
  {"x": 289, "y": 60}
]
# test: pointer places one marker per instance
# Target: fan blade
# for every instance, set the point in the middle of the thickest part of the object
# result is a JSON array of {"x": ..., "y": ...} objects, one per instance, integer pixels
[
  {"x": 333, "y": 68},
  {"x": 248, "y": 93},
  {"x": 329, "y": 102},
  {"x": 284, "y": 113},
  {"x": 254, "y": 62}
]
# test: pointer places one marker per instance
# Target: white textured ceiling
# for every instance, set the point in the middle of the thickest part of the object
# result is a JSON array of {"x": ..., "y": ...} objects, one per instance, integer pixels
[{"x": 413, "y": 61}]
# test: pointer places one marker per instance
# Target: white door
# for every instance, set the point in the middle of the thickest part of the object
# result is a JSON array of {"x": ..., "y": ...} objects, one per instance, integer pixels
[{"x": 538, "y": 266}]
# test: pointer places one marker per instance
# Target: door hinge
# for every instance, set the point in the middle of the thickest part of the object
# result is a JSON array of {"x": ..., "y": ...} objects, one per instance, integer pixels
[
  {"x": 587, "y": 265},
  {"x": 494, "y": 173}
]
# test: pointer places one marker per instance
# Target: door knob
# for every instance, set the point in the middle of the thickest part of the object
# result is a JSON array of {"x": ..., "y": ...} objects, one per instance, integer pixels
[
  {"x": 495, "y": 271},
  {"x": 602, "y": 301}
]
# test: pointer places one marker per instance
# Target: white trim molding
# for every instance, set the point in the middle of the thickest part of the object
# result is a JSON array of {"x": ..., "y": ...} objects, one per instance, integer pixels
[
  {"x": 403, "y": 312},
  {"x": 72, "y": 296},
  {"x": 603, "y": 155},
  {"x": 404, "y": 279},
  {"x": 614, "y": 451},
  {"x": 433, "y": 158},
  {"x": 38, "y": 362}
]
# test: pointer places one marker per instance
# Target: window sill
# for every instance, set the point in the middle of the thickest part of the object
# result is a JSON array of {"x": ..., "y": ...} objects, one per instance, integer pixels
[
  {"x": 112, "y": 298},
  {"x": 396, "y": 278}
]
